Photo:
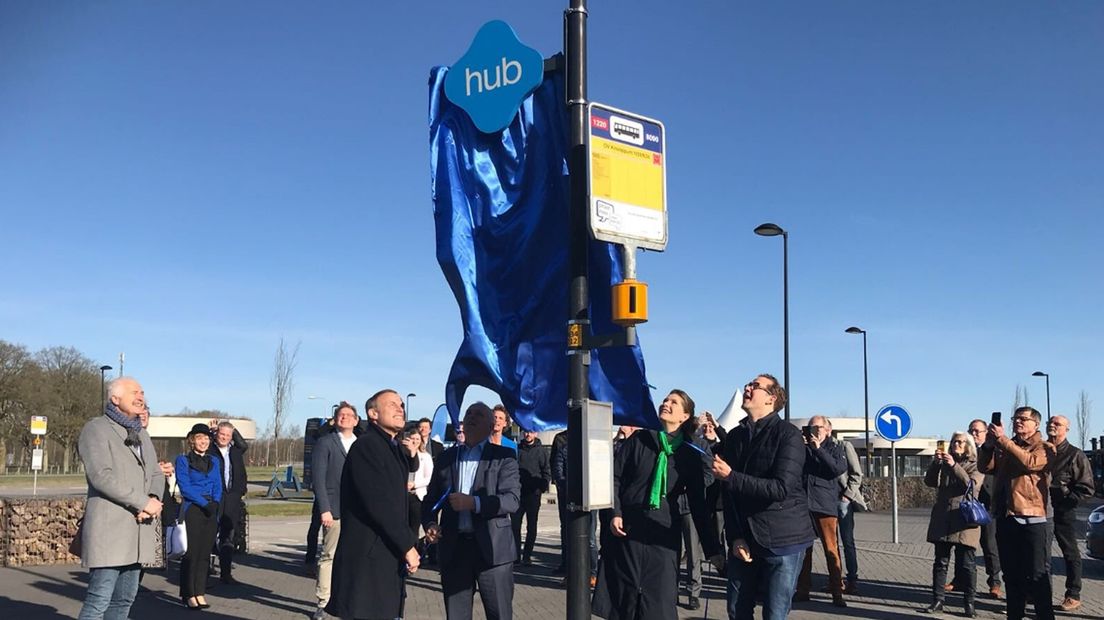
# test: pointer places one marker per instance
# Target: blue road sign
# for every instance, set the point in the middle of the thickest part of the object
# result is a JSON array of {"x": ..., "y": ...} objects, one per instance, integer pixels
[{"x": 893, "y": 423}]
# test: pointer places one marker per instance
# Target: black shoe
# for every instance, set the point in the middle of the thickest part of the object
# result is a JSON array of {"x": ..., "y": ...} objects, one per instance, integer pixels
[
  {"x": 969, "y": 611},
  {"x": 839, "y": 602},
  {"x": 526, "y": 561},
  {"x": 694, "y": 604},
  {"x": 230, "y": 581},
  {"x": 934, "y": 608}
]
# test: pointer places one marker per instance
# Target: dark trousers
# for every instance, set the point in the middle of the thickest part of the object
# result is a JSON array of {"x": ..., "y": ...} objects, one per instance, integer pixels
[
  {"x": 529, "y": 509},
  {"x": 193, "y": 566},
  {"x": 965, "y": 575},
  {"x": 561, "y": 505},
  {"x": 1025, "y": 558},
  {"x": 992, "y": 557},
  {"x": 1067, "y": 541},
  {"x": 414, "y": 513},
  {"x": 229, "y": 522},
  {"x": 312, "y": 535},
  {"x": 466, "y": 569}
]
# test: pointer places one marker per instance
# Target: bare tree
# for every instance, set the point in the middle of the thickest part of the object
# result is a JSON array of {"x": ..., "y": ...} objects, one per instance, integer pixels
[
  {"x": 282, "y": 384},
  {"x": 1084, "y": 417}
]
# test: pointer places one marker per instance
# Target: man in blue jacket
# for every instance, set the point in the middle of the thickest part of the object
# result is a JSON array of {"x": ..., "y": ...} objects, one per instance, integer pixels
[{"x": 766, "y": 512}]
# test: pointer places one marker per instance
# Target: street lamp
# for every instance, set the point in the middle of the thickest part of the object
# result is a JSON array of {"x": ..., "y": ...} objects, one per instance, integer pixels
[
  {"x": 103, "y": 389},
  {"x": 408, "y": 397},
  {"x": 866, "y": 402},
  {"x": 1039, "y": 373},
  {"x": 773, "y": 230}
]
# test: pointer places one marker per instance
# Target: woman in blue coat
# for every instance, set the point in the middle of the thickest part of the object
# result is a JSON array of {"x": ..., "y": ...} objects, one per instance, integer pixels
[{"x": 198, "y": 475}]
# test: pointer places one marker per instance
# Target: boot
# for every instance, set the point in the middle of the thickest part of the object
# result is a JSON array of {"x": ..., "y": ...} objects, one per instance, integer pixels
[
  {"x": 935, "y": 608},
  {"x": 969, "y": 610}
]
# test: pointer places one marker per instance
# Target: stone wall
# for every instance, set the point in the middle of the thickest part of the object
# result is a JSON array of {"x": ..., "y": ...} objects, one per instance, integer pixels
[
  {"x": 911, "y": 493},
  {"x": 38, "y": 530}
]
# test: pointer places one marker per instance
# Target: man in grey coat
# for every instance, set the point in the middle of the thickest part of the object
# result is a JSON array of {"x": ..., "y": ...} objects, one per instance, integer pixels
[
  {"x": 328, "y": 463},
  {"x": 124, "y": 484},
  {"x": 851, "y": 501}
]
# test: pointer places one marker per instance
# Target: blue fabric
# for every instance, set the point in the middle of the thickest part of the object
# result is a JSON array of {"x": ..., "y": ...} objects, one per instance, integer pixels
[
  {"x": 501, "y": 213},
  {"x": 468, "y": 464},
  {"x": 509, "y": 443},
  {"x": 111, "y": 592},
  {"x": 772, "y": 577}
]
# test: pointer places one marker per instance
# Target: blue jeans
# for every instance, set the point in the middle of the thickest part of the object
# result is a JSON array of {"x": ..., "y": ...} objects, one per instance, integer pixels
[
  {"x": 847, "y": 539},
  {"x": 111, "y": 592},
  {"x": 778, "y": 576}
]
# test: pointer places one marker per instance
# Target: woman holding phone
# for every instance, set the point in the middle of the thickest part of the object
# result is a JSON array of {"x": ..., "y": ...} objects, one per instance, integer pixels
[{"x": 951, "y": 473}]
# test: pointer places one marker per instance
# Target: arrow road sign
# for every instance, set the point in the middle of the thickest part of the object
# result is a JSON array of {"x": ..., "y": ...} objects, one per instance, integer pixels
[{"x": 893, "y": 423}]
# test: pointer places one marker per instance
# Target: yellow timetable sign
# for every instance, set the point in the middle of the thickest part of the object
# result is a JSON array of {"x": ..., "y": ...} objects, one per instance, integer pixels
[
  {"x": 38, "y": 425},
  {"x": 627, "y": 178}
]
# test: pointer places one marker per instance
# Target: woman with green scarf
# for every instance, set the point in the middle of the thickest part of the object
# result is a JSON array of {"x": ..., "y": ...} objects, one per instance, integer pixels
[{"x": 638, "y": 573}]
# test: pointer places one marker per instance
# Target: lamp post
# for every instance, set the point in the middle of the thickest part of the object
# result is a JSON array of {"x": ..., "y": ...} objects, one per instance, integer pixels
[
  {"x": 773, "y": 230},
  {"x": 103, "y": 388},
  {"x": 866, "y": 403},
  {"x": 408, "y": 397},
  {"x": 1039, "y": 373}
]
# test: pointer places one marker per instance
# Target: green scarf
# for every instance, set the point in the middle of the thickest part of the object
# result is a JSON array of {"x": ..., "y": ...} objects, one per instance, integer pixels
[{"x": 659, "y": 478}]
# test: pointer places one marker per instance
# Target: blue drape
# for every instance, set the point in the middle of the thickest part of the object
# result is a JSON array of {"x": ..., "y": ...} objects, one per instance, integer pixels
[{"x": 500, "y": 207}]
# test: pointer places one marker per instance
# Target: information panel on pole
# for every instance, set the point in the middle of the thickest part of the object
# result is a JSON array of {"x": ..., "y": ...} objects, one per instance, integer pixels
[
  {"x": 38, "y": 425},
  {"x": 627, "y": 178}
]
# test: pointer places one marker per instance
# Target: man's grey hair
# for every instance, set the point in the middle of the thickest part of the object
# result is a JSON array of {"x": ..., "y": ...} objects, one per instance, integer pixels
[
  {"x": 115, "y": 386},
  {"x": 827, "y": 422},
  {"x": 226, "y": 424}
]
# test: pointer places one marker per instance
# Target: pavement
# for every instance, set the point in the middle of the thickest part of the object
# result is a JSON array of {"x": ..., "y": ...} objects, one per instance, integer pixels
[{"x": 895, "y": 581}]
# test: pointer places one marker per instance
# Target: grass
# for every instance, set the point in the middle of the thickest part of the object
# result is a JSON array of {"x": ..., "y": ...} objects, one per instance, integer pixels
[
  {"x": 279, "y": 509},
  {"x": 52, "y": 480}
]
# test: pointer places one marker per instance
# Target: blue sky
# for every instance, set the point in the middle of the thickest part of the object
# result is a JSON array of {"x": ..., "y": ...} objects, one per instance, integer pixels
[{"x": 188, "y": 182}]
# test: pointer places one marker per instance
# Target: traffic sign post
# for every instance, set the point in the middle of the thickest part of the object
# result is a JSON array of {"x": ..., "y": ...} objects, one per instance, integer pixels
[{"x": 893, "y": 423}]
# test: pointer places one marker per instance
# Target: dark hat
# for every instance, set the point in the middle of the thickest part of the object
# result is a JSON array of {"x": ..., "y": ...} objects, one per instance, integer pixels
[{"x": 199, "y": 428}]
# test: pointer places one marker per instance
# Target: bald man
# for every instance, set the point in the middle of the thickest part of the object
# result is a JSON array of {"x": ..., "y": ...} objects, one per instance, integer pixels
[{"x": 1071, "y": 482}]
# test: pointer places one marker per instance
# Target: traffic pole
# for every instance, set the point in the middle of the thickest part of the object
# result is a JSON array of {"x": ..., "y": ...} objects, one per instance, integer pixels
[{"x": 578, "y": 520}]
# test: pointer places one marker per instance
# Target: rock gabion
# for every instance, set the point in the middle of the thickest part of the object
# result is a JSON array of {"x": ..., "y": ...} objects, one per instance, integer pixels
[{"x": 39, "y": 530}]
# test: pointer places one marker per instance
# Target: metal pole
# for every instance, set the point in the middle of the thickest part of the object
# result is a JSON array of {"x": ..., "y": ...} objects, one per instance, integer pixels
[
  {"x": 786, "y": 319},
  {"x": 893, "y": 473},
  {"x": 1048, "y": 397},
  {"x": 866, "y": 406},
  {"x": 578, "y": 558}
]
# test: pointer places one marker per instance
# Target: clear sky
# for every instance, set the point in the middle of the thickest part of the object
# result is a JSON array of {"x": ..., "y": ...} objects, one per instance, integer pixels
[{"x": 188, "y": 182}]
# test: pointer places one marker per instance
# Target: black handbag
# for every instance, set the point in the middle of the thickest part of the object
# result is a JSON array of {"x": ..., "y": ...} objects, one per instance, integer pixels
[{"x": 973, "y": 512}]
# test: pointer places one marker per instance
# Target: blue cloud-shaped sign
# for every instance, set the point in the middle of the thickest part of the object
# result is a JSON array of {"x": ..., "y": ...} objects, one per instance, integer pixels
[{"x": 494, "y": 76}]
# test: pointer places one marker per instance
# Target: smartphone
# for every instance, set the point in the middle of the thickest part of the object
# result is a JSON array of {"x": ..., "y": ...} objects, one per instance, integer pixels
[
  {"x": 807, "y": 431},
  {"x": 995, "y": 418},
  {"x": 941, "y": 445}
]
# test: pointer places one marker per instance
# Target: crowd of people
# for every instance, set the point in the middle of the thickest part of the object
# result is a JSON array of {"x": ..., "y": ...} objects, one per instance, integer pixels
[{"x": 752, "y": 501}]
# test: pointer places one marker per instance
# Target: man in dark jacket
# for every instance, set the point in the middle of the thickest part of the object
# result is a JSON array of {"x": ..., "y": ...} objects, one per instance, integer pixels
[
  {"x": 1071, "y": 482},
  {"x": 979, "y": 432},
  {"x": 824, "y": 462},
  {"x": 230, "y": 446},
  {"x": 435, "y": 448},
  {"x": 479, "y": 484},
  {"x": 328, "y": 462},
  {"x": 536, "y": 473},
  {"x": 375, "y": 551},
  {"x": 766, "y": 512}
]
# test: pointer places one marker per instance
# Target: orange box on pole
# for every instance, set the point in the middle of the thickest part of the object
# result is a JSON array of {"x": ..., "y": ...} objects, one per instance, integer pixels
[{"x": 630, "y": 302}]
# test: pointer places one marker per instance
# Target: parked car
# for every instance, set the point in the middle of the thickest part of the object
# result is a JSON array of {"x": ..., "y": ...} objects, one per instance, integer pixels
[{"x": 1094, "y": 539}]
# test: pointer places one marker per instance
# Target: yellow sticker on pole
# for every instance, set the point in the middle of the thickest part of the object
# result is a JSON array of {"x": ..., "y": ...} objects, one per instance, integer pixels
[{"x": 38, "y": 425}]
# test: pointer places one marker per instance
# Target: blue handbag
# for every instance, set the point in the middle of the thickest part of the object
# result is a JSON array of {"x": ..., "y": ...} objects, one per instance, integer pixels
[{"x": 973, "y": 512}]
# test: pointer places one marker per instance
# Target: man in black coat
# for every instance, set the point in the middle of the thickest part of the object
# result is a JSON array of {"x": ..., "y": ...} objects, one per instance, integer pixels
[
  {"x": 1071, "y": 483},
  {"x": 375, "y": 551},
  {"x": 476, "y": 488},
  {"x": 766, "y": 512},
  {"x": 979, "y": 431},
  {"x": 824, "y": 462},
  {"x": 536, "y": 473},
  {"x": 231, "y": 447}
]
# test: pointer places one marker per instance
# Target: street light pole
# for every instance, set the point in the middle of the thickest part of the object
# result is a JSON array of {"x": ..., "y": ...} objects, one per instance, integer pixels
[
  {"x": 408, "y": 397},
  {"x": 773, "y": 230},
  {"x": 866, "y": 403},
  {"x": 1039, "y": 373},
  {"x": 103, "y": 389}
]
